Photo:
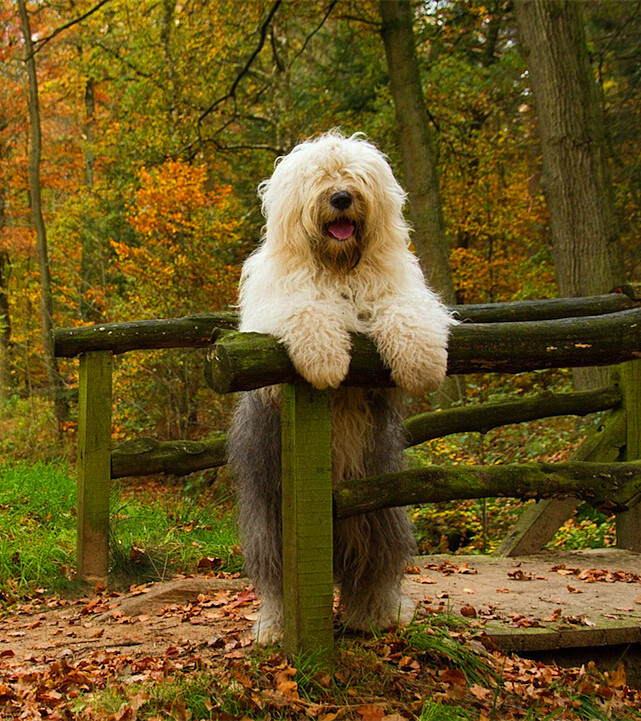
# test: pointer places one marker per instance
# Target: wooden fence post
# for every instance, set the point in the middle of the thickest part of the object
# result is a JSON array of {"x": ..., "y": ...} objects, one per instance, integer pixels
[
  {"x": 94, "y": 464},
  {"x": 307, "y": 520},
  {"x": 628, "y": 524}
]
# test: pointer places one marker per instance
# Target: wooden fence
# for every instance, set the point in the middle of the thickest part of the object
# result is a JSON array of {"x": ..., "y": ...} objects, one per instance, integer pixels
[{"x": 508, "y": 337}]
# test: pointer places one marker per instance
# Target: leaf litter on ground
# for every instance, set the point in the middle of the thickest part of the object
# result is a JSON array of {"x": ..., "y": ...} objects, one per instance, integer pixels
[{"x": 195, "y": 659}]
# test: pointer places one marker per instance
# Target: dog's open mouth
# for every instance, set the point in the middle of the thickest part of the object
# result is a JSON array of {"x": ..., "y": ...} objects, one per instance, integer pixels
[{"x": 341, "y": 229}]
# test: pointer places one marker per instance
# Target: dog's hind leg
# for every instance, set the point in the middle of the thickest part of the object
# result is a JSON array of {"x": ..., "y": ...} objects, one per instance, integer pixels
[
  {"x": 371, "y": 554},
  {"x": 254, "y": 455},
  {"x": 371, "y": 551}
]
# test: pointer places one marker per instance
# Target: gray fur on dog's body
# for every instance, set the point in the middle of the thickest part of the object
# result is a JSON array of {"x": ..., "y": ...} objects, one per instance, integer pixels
[{"x": 370, "y": 550}]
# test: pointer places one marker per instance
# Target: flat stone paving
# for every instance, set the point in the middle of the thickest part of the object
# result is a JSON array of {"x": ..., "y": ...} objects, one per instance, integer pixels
[{"x": 549, "y": 600}]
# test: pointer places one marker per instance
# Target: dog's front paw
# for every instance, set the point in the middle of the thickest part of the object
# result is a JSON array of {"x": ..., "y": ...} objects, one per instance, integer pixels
[
  {"x": 420, "y": 370},
  {"x": 322, "y": 368},
  {"x": 318, "y": 346}
]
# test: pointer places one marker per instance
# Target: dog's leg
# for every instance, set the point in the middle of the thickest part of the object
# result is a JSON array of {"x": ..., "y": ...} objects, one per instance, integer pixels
[
  {"x": 317, "y": 343},
  {"x": 372, "y": 552},
  {"x": 254, "y": 455}
]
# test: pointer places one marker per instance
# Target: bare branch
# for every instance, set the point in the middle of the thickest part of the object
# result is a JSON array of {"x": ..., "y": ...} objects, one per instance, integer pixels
[
  {"x": 245, "y": 69},
  {"x": 330, "y": 7},
  {"x": 41, "y": 43}
]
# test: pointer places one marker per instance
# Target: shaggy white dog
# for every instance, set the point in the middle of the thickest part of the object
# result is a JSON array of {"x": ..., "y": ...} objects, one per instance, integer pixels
[{"x": 335, "y": 260}]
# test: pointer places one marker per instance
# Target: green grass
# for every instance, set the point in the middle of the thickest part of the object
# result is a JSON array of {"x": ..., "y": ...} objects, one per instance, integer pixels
[
  {"x": 155, "y": 537},
  {"x": 37, "y": 527},
  {"x": 152, "y": 538},
  {"x": 436, "y": 643},
  {"x": 438, "y": 712}
]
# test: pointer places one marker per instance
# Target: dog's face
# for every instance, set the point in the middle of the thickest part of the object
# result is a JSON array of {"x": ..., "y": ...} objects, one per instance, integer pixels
[
  {"x": 341, "y": 226},
  {"x": 331, "y": 196}
]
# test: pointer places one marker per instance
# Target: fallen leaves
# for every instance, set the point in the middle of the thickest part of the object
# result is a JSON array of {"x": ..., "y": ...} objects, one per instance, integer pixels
[
  {"x": 593, "y": 575},
  {"x": 468, "y": 611},
  {"x": 447, "y": 568},
  {"x": 520, "y": 575},
  {"x": 382, "y": 678}
]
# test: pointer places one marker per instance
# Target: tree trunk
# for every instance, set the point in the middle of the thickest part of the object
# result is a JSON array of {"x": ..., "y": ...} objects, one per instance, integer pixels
[
  {"x": 586, "y": 247},
  {"x": 88, "y": 311},
  {"x": 416, "y": 145},
  {"x": 53, "y": 376},
  {"x": 5, "y": 321}
]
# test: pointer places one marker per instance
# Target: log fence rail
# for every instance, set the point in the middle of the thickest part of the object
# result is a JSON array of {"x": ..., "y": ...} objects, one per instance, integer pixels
[{"x": 502, "y": 337}]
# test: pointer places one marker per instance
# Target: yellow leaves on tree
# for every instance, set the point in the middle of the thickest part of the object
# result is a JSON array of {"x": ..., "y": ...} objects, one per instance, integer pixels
[
  {"x": 186, "y": 259},
  {"x": 493, "y": 216}
]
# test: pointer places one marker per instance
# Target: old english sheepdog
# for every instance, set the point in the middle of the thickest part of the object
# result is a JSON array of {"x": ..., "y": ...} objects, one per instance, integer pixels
[{"x": 334, "y": 260}]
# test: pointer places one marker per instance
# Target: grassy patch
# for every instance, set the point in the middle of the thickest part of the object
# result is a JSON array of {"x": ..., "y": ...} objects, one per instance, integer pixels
[
  {"x": 160, "y": 530},
  {"x": 153, "y": 535},
  {"x": 37, "y": 527}
]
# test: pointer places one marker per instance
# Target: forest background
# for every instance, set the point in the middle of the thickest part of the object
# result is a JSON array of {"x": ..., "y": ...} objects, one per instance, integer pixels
[{"x": 159, "y": 118}]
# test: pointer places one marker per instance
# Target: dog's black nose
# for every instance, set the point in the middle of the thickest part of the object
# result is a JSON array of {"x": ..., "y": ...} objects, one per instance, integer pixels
[{"x": 341, "y": 200}]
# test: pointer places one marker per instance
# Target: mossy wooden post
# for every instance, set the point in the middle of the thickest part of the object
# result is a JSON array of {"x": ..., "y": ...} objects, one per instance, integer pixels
[
  {"x": 307, "y": 521},
  {"x": 94, "y": 464},
  {"x": 628, "y": 524}
]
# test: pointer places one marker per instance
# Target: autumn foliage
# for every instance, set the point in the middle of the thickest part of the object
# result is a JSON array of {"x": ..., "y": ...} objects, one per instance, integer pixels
[
  {"x": 158, "y": 125},
  {"x": 185, "y": 260}
]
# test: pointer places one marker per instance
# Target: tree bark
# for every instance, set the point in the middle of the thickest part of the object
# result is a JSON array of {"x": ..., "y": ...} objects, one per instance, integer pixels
[
  {"x": 416, "y": 145},
  {"x": 613, "y": 487},
  {"x": 195, "y": 331},
  {"x": 482, "y": 417},
  {"x": 53, "y": 376},
  {"x": 144, "y": 456},
  {"x": 88, "y": 255},
  {"x": 587, "y": 252}
]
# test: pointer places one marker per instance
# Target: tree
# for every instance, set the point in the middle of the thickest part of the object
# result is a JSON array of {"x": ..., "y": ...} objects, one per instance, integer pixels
[
  {"x": 417, "y": 146},
  {"x": 53, "y": 375},
  {"x": 5, "y": 322},
  {"x": 587, "y": 251}
]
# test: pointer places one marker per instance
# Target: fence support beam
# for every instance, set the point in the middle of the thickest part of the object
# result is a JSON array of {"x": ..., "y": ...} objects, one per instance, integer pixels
[
  {"x": 308, "y": 584},
  {"x": 538, "y": 523},
  {"x": 94, "y": 464},
  {"x": 628, "y": 524}
]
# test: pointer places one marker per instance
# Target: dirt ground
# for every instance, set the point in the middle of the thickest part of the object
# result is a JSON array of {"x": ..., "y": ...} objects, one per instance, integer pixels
[{"x": 550, "y": 600}]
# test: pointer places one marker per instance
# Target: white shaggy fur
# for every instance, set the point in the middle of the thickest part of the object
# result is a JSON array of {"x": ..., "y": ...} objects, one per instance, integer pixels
[
  {"x": 311, "y": 289},
  {"x": 288, "y": 291}
]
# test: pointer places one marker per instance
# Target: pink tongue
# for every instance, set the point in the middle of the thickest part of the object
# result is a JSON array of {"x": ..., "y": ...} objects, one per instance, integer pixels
[{"x": 341, "y": 229}]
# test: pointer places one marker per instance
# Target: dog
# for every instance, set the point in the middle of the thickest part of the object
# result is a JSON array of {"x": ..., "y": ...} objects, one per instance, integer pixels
[{"x": 334, "y": 259}]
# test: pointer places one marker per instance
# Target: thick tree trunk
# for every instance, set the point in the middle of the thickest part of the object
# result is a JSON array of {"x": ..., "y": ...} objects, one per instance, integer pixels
[
  {"x": 53, "y": 376},
  {"x": 417, "y": 147},
  {"x": 587, "y": 252}
]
